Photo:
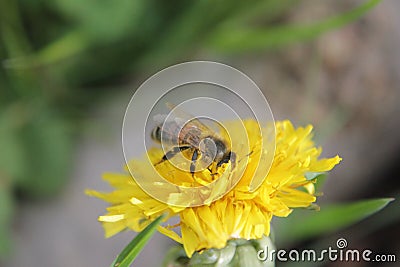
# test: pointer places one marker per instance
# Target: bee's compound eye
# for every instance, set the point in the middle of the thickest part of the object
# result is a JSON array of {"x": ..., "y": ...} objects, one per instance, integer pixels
[{"x": 156, "y": 133}]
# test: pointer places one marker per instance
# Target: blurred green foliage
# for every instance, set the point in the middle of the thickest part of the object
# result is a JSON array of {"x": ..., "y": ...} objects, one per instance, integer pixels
[
  {"x": 57, "y": 56},
  {"x": 302, "y": 226}
]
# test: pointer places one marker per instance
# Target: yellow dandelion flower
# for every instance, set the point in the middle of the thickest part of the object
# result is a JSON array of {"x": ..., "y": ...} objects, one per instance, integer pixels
[{"x": 240, "y": 213}]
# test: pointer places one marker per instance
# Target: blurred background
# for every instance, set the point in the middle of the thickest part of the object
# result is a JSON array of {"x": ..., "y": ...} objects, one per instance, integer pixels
[{"x": 69, "y": 68}]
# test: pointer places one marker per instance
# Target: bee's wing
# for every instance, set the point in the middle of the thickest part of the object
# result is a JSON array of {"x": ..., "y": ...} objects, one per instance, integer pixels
[
  {"x": 182, "y": 128},
  {"x": 159, "y": 118},
  {"x": 166, "y": 132},
  {"x": 184, "y": 118}
]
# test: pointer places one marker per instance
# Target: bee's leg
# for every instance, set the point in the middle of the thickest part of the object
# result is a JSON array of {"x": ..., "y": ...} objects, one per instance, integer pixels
[
  {"x": 248, "y": 155},
  {"x": 231, "y": 156},
  {"x": 172, "y": 153},
  {"x": 193, "y": 164}
]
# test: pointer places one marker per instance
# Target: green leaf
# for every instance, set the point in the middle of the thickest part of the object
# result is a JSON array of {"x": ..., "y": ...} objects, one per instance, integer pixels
[
  {"x": 300, "y": 226},
  {"x": 130, "y": 252},
  {"x": 92, "y": 16},
  {"x": 249, "y": 38},
  {"x": 12, "y": 160},
  {"x": 319, "y": 178},
  {"x": 47, "y": 142},
  {"x": 320, "y": 181},
  {"x": 313, "y": 175},
  {"x": 6, "y": 217}
]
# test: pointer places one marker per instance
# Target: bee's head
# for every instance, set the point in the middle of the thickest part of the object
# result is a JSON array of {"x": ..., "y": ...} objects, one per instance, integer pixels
[
  {"x": 213, "y": 149},
  {"x": 221, "y": 150}
]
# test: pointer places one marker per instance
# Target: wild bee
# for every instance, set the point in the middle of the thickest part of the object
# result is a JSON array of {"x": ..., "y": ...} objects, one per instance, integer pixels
[{"x": 185, "y": 133}]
